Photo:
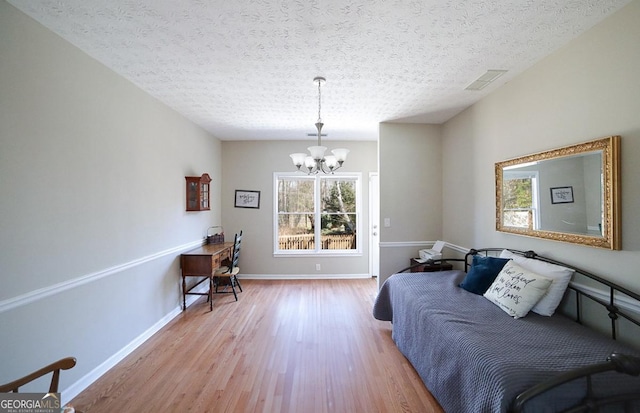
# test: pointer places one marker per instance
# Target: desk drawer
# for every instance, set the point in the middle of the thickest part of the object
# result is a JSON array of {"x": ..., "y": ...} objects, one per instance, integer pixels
[
  {"x": 215, "y": 261},
  {"x": 195, "y": 265},
  {"x": 225, "y": 255}
]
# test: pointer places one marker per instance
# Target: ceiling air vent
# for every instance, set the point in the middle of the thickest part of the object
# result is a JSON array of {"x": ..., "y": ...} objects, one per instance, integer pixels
[{"x": 485, "y": 79}]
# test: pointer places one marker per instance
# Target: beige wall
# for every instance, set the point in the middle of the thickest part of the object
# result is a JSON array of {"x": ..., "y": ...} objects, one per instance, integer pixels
[
  {"x": 250, "y": 165},
  {"x": 410, "y": 192},
  {"x": 92, "y": 204},
  {"x": 587, "y": 90},
  {"x": 92, "y": 179}
]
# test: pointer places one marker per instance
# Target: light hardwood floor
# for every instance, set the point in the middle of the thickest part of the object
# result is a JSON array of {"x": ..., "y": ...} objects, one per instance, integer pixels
[{"x": 285, "y": 346}]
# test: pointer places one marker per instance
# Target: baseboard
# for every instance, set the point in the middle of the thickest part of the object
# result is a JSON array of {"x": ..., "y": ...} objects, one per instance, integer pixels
[
  {"x": 76, "y": 388},
  {"x": 302, "y": 276}
]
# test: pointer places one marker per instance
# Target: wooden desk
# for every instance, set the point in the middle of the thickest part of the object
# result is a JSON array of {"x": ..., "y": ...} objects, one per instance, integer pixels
[
  {"x": 430, "y": 267},
  {"x": 202, "y": 262}
]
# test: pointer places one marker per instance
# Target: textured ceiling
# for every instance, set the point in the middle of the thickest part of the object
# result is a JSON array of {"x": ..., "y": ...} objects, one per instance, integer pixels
[{"x": 244, "y": 69}]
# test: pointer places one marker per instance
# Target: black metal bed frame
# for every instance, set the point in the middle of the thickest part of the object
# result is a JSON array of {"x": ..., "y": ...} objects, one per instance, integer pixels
[{"x": 622, "y": 363}]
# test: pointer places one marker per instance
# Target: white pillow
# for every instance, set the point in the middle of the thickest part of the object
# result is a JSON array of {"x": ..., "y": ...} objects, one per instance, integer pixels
[
  {"x": 517, "y": 290},
  {"x": 560, "y": 276}
]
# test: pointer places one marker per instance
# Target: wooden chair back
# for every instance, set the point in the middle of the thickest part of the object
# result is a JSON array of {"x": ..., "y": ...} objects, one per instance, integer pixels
[
  {"x": 62, "y": 364},
  {"x": 235, "y": 255}
]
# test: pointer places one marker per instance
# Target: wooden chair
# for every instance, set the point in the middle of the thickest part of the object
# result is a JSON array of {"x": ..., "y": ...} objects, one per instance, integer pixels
[
  {"x": 62, "y": 364},
  {"x": 227, "y": 274}
]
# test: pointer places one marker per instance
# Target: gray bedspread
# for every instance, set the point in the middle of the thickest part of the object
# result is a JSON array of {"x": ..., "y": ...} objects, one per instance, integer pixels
[{"x": 473, "y": 357}]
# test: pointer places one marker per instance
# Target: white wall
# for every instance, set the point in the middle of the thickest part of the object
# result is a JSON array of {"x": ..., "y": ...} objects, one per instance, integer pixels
[
  {"x": 92, "y": 203},
  {"x": 250, "y": 165},
  {"x": 587, "y": 90},
  {"x": 410, "y": 192}
]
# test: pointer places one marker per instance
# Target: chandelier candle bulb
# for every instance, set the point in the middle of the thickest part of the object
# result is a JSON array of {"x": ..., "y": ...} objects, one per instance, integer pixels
[
  {"x": 340, "y": 154},
  {"x": 298, "y": 159},
  {"x": 309, "y": 162},
  {"x": 331, "y": 162},
  {"x": 317, "y": 152}
]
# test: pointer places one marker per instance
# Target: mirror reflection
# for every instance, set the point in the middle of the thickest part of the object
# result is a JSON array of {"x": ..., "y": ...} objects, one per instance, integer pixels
[
  {"x": 568, "y": 194},
  {"x": 555, "y": 195}
]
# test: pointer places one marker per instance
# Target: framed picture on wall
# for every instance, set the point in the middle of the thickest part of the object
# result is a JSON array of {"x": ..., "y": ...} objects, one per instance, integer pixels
[
  {"x": 562, "y": 195},
  {"x": 247, "y": 199}
]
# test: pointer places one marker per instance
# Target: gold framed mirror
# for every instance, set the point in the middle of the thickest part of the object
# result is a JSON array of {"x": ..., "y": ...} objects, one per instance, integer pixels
[{"x": 570, "y": 194}]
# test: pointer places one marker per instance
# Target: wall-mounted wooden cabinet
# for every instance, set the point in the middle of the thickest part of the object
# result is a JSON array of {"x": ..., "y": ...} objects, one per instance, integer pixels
[{"x": 198, "y": 192}]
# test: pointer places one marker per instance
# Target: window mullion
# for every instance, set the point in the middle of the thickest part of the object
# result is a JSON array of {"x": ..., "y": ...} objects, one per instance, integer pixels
[{"x": 317, "y": 214}]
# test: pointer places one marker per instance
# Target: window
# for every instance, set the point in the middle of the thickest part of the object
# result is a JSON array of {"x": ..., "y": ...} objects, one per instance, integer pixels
[
  {"x": 520, "y": 197},
  {"x": 317, "y": 214}
]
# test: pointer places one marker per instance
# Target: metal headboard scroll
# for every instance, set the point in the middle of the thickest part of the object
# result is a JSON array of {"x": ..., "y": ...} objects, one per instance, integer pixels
[{"x": 614, "y": 311}]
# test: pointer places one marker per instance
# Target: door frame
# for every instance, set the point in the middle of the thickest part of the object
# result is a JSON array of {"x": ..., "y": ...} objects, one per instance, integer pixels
[{"x": 374, "y": 224}]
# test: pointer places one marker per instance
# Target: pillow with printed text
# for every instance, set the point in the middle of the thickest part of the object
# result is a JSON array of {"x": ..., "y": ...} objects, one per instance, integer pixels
[{"x": 516, "y": 290}]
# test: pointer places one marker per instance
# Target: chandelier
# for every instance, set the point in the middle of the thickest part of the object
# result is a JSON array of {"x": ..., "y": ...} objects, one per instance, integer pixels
[{"x": 315, "y": 161}]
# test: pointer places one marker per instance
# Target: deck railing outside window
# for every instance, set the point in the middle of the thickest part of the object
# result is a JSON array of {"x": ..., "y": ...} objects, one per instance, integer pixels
[{"x": 306, "y": 242}]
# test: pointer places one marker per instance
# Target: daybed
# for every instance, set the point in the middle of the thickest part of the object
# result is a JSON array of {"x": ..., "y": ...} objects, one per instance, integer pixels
[{"x": 476, "y": 356}]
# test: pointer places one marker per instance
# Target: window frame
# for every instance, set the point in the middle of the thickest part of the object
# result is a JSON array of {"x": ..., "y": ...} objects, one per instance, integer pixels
[{"x": 318, "y": 251}]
